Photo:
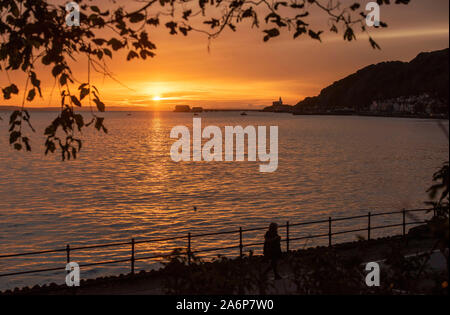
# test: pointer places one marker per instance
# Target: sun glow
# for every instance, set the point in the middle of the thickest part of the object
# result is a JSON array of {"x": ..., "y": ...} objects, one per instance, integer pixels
[{"x": 157, "y": 98}]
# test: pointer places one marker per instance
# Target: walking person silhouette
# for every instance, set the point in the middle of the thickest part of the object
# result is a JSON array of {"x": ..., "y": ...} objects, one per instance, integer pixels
[{"x": 272, "y": 248}]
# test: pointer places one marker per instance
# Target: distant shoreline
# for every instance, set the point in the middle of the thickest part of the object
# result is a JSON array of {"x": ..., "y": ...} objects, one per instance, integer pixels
[
  {"x": 362, "y": 114},
  {"x": 123, "y": 109},
  {"x": 376, "y": 115}
]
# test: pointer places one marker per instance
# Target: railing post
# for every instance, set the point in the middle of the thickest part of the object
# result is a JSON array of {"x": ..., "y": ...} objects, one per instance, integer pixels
[
  {"x": 287, "y": 236},
  {"x": 368, "y": 227},
  {"x": 132, "y": 256},
  {"x": 189, "y": 248},
  {"x": 329, "y": 231},
  {"x": 68, "y": 253},
  {"x": 404, "y": 222},
  {"x": 241, "y": 246}
]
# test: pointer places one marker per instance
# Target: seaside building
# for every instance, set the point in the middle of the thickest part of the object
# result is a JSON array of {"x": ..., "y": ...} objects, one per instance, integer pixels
[
  {"x": 423, "y": 103},
  {"x": 182, "y": 108},
  {"x": 197, "y": 109}
]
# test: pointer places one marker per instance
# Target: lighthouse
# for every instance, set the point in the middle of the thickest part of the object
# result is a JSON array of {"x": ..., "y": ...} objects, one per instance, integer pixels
[{"x": 279, "y": 102}]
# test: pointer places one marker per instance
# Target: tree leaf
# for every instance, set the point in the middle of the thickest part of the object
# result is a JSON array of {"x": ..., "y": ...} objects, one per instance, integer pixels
[
  {"x": 13, "y": 136},
  {"x": 100, "y": 105},
  {"x": 131, "y": 55},
  {"x": 31, "y": 95},
  {"x": 137, "y": 17},
  {"x": 75, "y": 100},
  {"x": 374, "y": 43},
  {"x": 271, "y": 33}
]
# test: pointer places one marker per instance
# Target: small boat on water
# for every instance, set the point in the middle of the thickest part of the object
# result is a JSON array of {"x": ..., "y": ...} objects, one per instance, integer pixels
[{"x": 243, "y": 114}]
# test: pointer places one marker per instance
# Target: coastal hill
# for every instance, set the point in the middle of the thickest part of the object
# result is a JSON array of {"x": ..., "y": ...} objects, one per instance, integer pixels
[
  {"x": 415, "y": 87},
  {"x": 425, "y": 77}
]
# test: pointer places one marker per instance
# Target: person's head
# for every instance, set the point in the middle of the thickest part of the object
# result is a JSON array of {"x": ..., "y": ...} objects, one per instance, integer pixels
[{"x": 273, "y": 227}]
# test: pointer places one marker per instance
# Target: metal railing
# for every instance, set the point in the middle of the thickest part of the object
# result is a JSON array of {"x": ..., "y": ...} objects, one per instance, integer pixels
[{"x": 189, "y": 252}]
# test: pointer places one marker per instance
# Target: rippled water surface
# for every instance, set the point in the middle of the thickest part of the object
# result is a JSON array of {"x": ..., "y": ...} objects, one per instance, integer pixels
[{"x": 125, "y": 185}]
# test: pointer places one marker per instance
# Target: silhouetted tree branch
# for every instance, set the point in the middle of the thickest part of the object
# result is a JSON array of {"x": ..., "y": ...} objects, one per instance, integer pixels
[{"x": 35, "y": 31}]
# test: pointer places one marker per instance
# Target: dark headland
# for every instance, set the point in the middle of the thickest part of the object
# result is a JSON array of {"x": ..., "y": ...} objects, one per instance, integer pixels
[{"x": 418, "y": 88}]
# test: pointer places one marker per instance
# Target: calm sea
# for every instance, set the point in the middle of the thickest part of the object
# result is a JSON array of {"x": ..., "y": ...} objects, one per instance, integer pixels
[{"x": 125, "y": 185}]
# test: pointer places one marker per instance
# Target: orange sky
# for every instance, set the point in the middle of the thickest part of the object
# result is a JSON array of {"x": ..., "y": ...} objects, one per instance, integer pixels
[{"x": 240, "y": 70}]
